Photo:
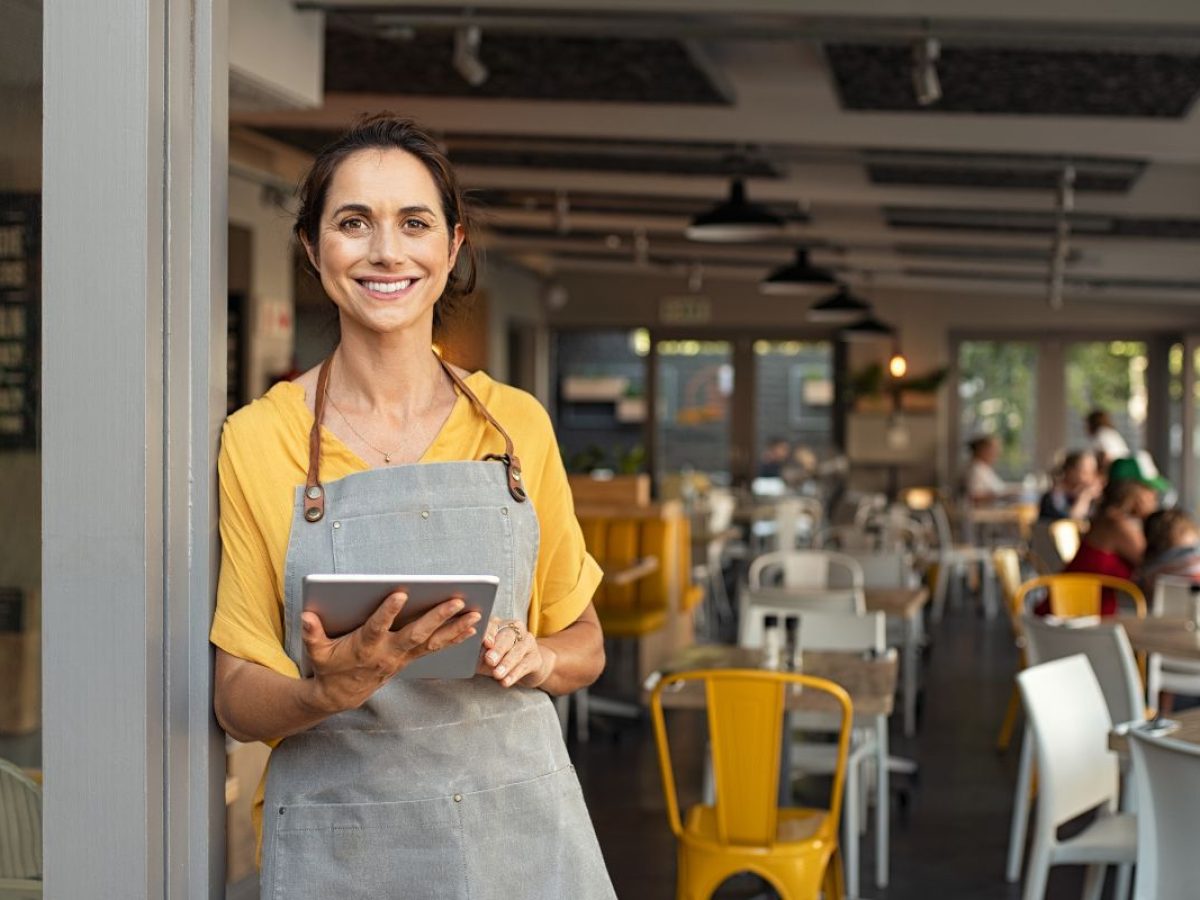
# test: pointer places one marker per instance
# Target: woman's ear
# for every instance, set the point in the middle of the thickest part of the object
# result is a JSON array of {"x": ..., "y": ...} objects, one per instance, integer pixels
[
  {"x": 456, "y": 242},
  {"x": 311, "y": 252}
]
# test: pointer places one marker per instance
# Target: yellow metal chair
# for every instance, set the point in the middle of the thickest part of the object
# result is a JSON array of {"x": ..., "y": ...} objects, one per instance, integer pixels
[
  {"x": 1008, "y": 572},
  {"x": 1075, "y": 594},
  {"x": 793, "y": 848}
]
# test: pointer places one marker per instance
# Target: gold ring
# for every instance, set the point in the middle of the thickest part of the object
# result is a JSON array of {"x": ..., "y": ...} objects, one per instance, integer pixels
[{"x": 516, "y": 629}]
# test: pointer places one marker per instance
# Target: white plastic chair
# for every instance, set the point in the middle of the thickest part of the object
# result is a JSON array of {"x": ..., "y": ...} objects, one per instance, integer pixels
[
  {"x": 1174, "y": 597},
  {"x": 755, "y": 608},
  {"x": 20, "y": 834},
  {"x": 1168, "y": 776},
  {"x": 806, "y": 569},
  {"x": 845, "y": 633},
  {"x": 1110, "y": 655},
  {"x": 952, "y": 560},
  {"x": 1076, "y": 773}
]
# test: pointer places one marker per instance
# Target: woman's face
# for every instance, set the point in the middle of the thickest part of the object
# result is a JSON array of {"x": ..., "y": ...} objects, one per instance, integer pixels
[
  {"x": 1143, "y": 502},
  {"x": 384, "y": 249}
]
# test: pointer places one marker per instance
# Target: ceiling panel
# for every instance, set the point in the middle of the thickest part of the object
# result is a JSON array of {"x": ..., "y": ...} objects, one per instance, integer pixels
[
  {"x": 1019, "y": 81},
  {"x": 527, "y": 67}
]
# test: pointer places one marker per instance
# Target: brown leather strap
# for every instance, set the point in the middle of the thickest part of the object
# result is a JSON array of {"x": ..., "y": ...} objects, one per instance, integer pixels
[
  {"x": 512, "y": 464},
  {"x": 314, "y": 493}
]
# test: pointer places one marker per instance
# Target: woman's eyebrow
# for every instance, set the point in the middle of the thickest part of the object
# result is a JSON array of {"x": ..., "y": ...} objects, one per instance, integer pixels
[{"x": 353, "y": 207}]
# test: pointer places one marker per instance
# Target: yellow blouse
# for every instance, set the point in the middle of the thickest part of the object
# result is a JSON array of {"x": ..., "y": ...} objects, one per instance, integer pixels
[{"x": 264, "y": 457}]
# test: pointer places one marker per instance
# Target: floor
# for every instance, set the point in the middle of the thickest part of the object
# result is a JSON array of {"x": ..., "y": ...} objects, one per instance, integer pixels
[{"x": 950, "y": 825}]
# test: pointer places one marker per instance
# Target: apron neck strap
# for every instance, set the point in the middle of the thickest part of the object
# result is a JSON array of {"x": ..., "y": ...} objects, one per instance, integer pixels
[{"x": 314, "y": 494}]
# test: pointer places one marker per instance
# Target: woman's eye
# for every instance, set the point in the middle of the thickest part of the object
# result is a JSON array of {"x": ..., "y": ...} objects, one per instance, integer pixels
[
  {"x": 416, "y": 224},
  {"x": 353, "y": 224}
]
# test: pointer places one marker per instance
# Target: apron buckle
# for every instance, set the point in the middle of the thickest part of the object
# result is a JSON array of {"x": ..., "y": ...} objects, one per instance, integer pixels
[{"x": 512, "y": 466}]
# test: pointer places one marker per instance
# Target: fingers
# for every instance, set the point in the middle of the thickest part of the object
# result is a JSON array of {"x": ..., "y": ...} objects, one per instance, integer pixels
[
  {"x": 522, "y": 660},
  {"x": 316, "y": 642},
  {"x": 376, "y": 628},
  {"x": 503, "y": 642},
  {"x": 421, "y": 630},
  {"x": 489, "y": 636},
  {"x": 454, "y": 631}
]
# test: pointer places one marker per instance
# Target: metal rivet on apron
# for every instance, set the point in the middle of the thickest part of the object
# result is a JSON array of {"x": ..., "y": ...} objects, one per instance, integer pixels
[
  {"x": 282, "y": 810},
  {"x": 458, "y": 798},
  {"x": 424, "y": 514},
  {"x": 313, "y": 492},
  {"x": 312, "y": 514},
  {"x": 516, "y": 476},
  {"x": 504, "y": 510},
  {"x": 337, "y": 524}
]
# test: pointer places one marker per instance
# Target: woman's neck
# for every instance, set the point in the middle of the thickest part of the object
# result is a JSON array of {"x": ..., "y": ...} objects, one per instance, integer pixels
[{"x": 394, "y": 373}]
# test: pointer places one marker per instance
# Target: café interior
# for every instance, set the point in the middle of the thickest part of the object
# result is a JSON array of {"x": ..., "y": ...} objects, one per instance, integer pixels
[{"x": 854, "y": 323}]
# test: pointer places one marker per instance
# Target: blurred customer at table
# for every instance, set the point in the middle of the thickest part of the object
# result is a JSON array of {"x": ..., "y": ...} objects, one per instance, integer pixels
[
  {"x": 1077, "y": 484},
  {"x": 1172, "y": 548},
  {"x": 981, "y": 484},
  {"x": 774, "y": 456},
  {"x": 1115, "y": 543},
  {"x": 1107, "y": 443}
]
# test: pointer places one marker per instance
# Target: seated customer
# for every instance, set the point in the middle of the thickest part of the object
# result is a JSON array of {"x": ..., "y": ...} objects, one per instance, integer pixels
[
  {"x": 1076, "y": 488},
  {"x": 981, "y": 484},
  {"x": 1172, "y": 548},
  {"x": 1115, "y": 542}
]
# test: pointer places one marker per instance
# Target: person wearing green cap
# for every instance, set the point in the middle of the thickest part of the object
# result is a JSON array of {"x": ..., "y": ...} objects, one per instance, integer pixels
[
  {"x": 1138, "y": 468},
  {"x": 1115, "y": 542}
]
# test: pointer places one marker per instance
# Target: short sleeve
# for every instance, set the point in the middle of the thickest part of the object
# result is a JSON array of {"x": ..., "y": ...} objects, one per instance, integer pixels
[
  {"x": 566, "y": 576},
  {"x": 248, "y": 622}
]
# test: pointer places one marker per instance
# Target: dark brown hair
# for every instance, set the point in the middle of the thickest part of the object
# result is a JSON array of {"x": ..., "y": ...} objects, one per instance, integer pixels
[
  {"x": 384, "y": 131},
  {"x": 1098, "y": 419},
  {"x": 1163, "y": 529}
]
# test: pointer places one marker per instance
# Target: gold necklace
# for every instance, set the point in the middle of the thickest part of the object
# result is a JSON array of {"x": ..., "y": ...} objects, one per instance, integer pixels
[{"x": 387, "y": 457}]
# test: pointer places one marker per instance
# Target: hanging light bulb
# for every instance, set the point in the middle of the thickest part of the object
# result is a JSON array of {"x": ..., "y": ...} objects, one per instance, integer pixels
[{"x": 897, "y": 365}]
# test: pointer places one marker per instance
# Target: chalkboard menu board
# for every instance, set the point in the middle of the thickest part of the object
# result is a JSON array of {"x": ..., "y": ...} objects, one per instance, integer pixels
[{"x": 20, "y": 292}]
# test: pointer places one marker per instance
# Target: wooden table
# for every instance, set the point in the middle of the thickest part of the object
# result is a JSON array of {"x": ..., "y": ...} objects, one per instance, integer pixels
[
  {"x": 1170, "y": 637},
  {"x": 901, "y": 604},
  {"x": 1188, "y": 731},
  {"x": 871, "y": 684}
]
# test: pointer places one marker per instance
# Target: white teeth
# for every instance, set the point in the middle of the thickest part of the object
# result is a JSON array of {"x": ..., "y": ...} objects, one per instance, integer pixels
[{"x": 387, "y": 287}]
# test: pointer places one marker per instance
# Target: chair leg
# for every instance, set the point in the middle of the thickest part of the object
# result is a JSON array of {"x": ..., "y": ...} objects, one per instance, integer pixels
[
  {"x": 833, "y": 887},
  {"x": 940, "y": 579},
  {"x": 850, "y": 813},
  {"x": 1010, "y": 720},
  {"x": 1021, "y": 802},
  {"x": 1093, "y": 882},
  {"x": 1037, "y": 871}
]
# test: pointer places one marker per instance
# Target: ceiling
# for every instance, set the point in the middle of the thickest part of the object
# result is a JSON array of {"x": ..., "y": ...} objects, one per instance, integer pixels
[{"x": 602, "y": 129}]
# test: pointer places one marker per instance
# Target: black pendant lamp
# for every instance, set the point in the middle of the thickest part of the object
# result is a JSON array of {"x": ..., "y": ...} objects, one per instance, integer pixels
[
  {"x": 867, "y": 330},
  {"x": 798, "y": 277},
  {"x": 841, "y": 308},
  {"x": 736, "y": 219}
]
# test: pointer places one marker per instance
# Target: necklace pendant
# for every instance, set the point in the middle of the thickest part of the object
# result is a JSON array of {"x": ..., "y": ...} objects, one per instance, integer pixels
[{"x": 387, "y": 458}]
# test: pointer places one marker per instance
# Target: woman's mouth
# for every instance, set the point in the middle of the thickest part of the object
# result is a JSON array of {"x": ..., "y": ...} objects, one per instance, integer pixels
[{"x": 387, "y": 289}]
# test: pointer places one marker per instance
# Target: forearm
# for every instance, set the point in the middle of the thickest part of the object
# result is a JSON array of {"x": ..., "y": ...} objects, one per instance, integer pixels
[
  {"x": 254, "y": 703},
  {"x": 576, "y": 657}
]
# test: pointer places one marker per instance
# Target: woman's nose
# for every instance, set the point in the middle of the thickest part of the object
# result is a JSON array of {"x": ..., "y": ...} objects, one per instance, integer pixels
[{"x": 387, "y": 246}]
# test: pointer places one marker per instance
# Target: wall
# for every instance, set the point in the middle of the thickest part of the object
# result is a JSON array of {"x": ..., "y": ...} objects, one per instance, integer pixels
[{"x": 515, "y": 299}]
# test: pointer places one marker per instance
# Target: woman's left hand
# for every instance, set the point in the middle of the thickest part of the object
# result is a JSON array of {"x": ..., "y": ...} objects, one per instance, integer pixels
[{"x": 512, "y": 655}]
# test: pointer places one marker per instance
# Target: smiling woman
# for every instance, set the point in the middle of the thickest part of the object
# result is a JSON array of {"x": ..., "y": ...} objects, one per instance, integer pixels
[{"x": 414, "y": 786}]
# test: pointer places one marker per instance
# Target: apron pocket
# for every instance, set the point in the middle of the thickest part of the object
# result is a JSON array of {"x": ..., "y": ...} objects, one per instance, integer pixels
[
  {"x": 410, "y": 849},
  {"x": 533, "y": 840}
]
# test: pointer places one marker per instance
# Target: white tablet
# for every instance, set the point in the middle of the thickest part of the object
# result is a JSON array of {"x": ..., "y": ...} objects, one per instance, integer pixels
[{"x": 344, "y": 602}]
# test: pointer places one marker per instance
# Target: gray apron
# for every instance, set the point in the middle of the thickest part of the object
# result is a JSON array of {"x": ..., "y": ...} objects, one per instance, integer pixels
[{"x": 433, "y": 788}]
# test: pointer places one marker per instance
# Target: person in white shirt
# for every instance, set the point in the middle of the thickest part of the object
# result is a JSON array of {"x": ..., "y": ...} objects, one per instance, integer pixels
[
  {"x": 981, "y": 484},
  {"x": 1107, "y": 442}
]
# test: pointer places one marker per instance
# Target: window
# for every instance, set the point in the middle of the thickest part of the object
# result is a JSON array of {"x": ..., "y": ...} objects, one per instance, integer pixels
[{"x": 997, "y": 395}]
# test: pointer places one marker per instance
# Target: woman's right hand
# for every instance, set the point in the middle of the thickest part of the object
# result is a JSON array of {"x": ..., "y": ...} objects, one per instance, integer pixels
[{"x": 347, "y": 670}]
